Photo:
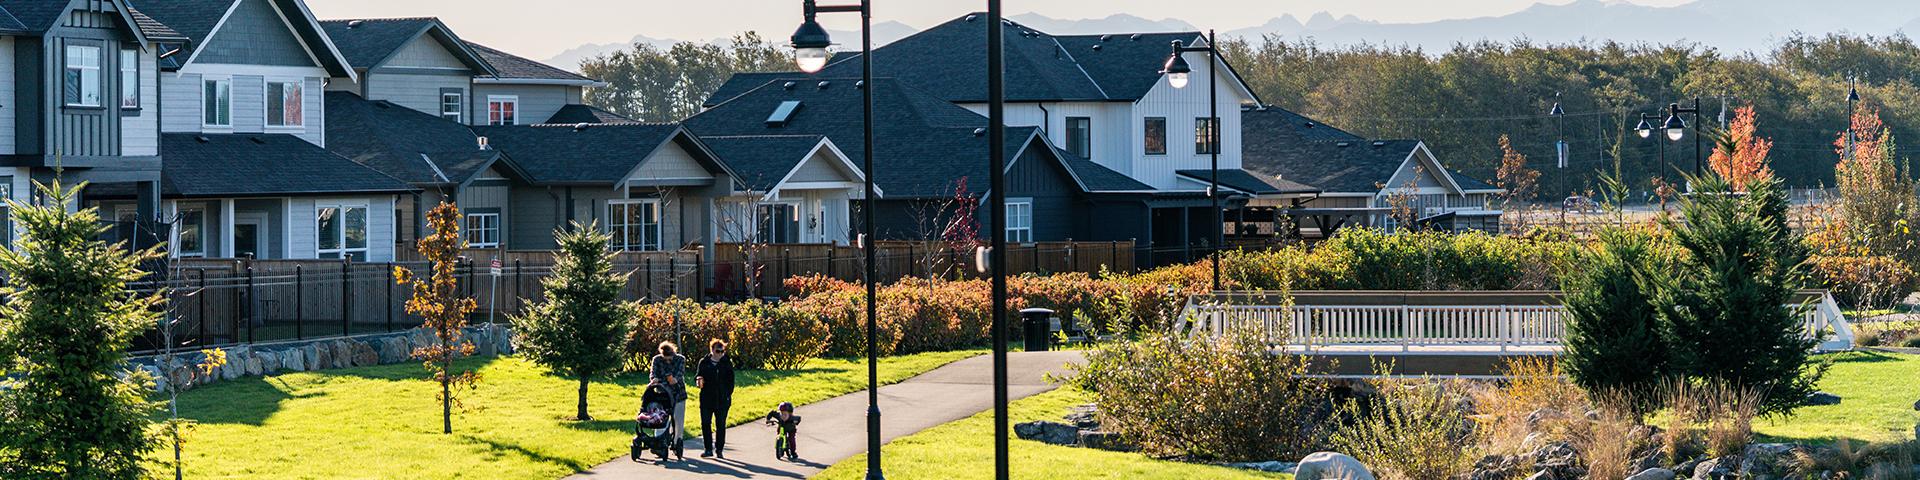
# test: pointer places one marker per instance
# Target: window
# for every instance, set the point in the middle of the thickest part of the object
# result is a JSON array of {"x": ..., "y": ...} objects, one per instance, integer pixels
[
  {"x": 129, "y": 78},
  {"x": 192, "y": 229},
  {"x": 6, "y": 213},
  {"x": 483, "y": 230},
  {"x": 635, "y": 224},
  {"x": 501, "y": 109},
  {"x": 452, "y": 102},
  {"x": 83, "y": 76},
  {"x": 285, "y": 104},
  {"x": 342, "y": 230},
  {"x": 1156, "y": 135},
  {"x": 216, "y": 106},
  {"x": 779, "y": 223},
  {"x": 1079, "y": 129},
  {"x": 1020, "y": 221},
  {"x": 1204, "y": 140}
]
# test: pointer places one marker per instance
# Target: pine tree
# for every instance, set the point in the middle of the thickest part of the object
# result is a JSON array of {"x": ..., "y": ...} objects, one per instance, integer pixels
[
  {"x": 1723, "y": 304},
  {"x": 578, "y": 331},
  {"x": 72, "y": 410},
  {"x": 438, "y": 300},
  {"x": 1615, "y": 343}
]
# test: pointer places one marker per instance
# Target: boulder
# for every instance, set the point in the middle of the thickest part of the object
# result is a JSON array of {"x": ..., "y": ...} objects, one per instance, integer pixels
[
  {"x": 236, "y": 366},
  {"x": 1821, "y": 398},
  {"x": 318, "y": 357},
  {"x": 253, "y": 364},
  {"x": 394, "y": 350},
  {"x": 1494, "y": 467},
  {"x": 1712, "y": 469},
  {"x": 1331, "y": 466},
  {"x": 342, "y": 353},
  {"x": 1053, "y": 433},
  {"x": 181, "y": 376},
  {"x": 1085, "y": 416},
  {"x": 364, "y": 355},
  {"x": 1655, "y": 473},
  {"x": 1555, "y": 454},
  {"x": 293, "y": 360},
  {"x": 269, "y": 362},
  {"x": 1270, "y": 467},
  {"x": 1099, "y": 440},
  {"x": 1766, "y": 460}
]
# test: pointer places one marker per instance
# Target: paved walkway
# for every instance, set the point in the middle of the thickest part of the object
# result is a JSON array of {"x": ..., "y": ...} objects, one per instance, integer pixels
[{"x": 835, "y": 429}]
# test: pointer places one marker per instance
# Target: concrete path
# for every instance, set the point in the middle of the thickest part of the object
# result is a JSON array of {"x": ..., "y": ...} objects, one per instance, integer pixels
[{"x": 836, "y": 429}]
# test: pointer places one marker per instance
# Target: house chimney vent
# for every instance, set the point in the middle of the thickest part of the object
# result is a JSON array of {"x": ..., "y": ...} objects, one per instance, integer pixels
[
  {"x": 355, "y": 23},
  {"x": 1106, "y": 37},
  {"x": 202, "y": 139},
  {"x": 1096, "y": 48},
  {"x": 980, "y": 131},
  {"x": 1343, "y": 144},
  {"x": 824, "y": 84},
  {"x": 787, "y": 86},
  {"x": 482, "y": 142},
  {"x": 970, "y": 17},
  {"x": 581, "y": 127},
  {"x": 1379, "y": 144},
  {"x": 1134, "y": 37}
]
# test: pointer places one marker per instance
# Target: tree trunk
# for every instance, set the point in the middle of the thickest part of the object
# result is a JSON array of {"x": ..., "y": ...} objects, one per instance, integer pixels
[
  {"x": 581, "y": 413},
  {"x": 446, "y": 398}
]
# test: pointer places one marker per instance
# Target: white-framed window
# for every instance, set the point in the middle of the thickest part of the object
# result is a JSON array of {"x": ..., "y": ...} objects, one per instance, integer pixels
[
  {"x": 483, "y": 230},
  {"x": 286, "y": 104},
  {"x": 82, "y": 80},
  {"x": 1020, "y": 221},
  {"x": 191, "y": 232},
  {"x": 635, "y": 224},
  {"x": 216, "y": 103},
  {"x": 1080, "y": 136},
  {"x": 129, "y": 78},
  {"x": 503, "y": 110},
  {"x": 779, "y": 222},
  {"x": 451, "y": 104},
  {"x": 341, "y": 229},
  {"x": 6, "y": 212}
]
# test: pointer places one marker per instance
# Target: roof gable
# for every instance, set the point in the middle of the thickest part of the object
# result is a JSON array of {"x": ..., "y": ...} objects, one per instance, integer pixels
[
  {"x": 403, "y": 42},
  {"x": 262, "y": 164},
  {"x": 510, "y": 68},
  {"x": 39, "y": 16},
  {"x": 254, "y": 33},
  {"x": 602, "y": 154},
  {"x": 199, "y": 20},
  {"x": 408, "y": 144}
]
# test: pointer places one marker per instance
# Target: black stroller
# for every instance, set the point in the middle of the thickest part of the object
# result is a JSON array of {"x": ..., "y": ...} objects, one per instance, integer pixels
[{"x": 653, "y": 428}]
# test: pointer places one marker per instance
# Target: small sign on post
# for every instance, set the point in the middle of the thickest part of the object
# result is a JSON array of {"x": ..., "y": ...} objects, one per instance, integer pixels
[
  {"x": 493, "y": 293},
  {"x": 496, "y": 267}
]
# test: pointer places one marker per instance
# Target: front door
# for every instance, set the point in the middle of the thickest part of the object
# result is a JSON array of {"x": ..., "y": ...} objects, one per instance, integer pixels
[{"x": 248, "y": 236}]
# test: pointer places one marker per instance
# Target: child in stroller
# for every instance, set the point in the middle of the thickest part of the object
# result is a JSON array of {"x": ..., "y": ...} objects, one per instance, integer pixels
[
  {"x": 788, "y": 426},
  {"x": 653, "y": 427}
]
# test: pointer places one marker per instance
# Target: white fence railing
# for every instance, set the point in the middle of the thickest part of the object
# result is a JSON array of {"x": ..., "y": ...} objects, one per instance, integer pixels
[{"x": 1409, "y": 326}]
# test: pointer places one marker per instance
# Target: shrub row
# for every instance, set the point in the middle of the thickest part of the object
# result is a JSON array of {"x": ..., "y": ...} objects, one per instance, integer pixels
[{"x": 758, "y": 334}]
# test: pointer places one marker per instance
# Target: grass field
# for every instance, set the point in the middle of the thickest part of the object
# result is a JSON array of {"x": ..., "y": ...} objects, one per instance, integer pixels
[
  {"x": 964, "y": 450},
  {"x": 384, "y": 422},
  {"x": 1877, "y": 392}
]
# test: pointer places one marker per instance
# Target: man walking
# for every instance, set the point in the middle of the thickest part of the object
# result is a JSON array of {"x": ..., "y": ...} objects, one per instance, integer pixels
[{"x": 714, "y": 376}]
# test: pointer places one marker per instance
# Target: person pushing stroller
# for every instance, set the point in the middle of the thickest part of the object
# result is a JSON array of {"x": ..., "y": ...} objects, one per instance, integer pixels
[
  {"x": 653, "y": 428},
  {"x": 787, "y": 431}
]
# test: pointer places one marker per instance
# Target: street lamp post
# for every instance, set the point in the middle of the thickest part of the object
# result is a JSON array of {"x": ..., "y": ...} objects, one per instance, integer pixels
[
  {"x": 1677, "y": 129},
  {"x": 1178, "y": 73},
  {"x": 1560, "y": 153},
  {"x": 997, "y": 256},
  {"x": 1645, "y": 129},
  {"x": 1853, "y": 97},
  {"x": 811, "y": 43}
]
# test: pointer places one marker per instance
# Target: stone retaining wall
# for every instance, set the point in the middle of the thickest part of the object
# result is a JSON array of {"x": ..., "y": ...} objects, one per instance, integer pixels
[{"x": 262, "y": 359}]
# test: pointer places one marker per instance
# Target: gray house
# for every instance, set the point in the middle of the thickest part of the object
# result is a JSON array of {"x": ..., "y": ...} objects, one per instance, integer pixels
[{"x": 1359, "y": 178}]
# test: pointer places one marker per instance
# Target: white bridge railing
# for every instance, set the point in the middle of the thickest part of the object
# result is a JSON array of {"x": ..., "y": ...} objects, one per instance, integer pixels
[{"x": 1410, "y": 320}]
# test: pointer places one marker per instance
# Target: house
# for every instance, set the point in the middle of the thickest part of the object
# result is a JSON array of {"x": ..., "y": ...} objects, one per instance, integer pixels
[
  {"x": 78, "y": 95},
  {"x": 1360, "y": 180},
  {"x": 444, "y": 160},
  {"x": 931, "y": 151},
  {"x": 422, "y": 64},
  {"x": 236, "y": 100},
  {"x": 794, "y": 189}
]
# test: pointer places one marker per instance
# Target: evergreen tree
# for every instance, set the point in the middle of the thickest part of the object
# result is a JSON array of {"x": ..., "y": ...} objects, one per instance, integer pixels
[
  {"x": 1723, "y": 303},
  {"x": 578, "y": 331},
  {"x": 1615, "y": 343},
  {"x": 72, "y": 410}
]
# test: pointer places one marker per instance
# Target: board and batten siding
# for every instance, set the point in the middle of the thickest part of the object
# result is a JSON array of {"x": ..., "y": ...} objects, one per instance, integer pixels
[
  {"x": 822, "y": 167},
  {"x": 84, "y": 131},
  {"x": 304, "y": 229},
  {"x": 140, "y": 131},
  {"x": 418, "y": 91},
  {"x": 1040, "y": 179},
  {"x": 8, "y": 106},
  {"x": 1111, "y": 138},
  {"x": 533, "y": 215},
  {"x": 1181, "y": 107},
  {"x": 538, "y": 103}
]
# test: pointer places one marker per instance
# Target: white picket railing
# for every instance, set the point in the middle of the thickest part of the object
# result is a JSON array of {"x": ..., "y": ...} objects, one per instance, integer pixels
[{"x": 1313, "y": 327}]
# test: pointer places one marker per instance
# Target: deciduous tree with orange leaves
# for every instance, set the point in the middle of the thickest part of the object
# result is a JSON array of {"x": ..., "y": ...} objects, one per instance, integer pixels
[
  {"x": 1739, "y": 154},
  {"x": 438, "y": 300}
]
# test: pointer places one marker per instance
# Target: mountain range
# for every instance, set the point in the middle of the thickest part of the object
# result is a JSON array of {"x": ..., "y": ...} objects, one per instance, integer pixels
[{"x": 1736, "y": 26}]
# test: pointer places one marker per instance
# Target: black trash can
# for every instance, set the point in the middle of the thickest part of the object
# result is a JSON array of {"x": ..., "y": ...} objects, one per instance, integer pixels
[{"x": 1037, "y": 323}]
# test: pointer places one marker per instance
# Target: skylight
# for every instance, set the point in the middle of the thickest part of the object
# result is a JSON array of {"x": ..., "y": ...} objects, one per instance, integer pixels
[{"x": 782, "y": 113}]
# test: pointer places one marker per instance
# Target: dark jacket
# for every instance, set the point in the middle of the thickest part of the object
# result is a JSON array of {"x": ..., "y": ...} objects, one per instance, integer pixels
[
  {"x": 675, "y": 366},
  {"x": 717, "y": 378}
]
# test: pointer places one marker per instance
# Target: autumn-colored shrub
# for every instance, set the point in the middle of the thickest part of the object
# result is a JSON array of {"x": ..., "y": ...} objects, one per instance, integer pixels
[
  {"x": 759, "y": 334},
  {"x": 936, "y": 315},
  {"x": 808, "y": 285},
  {"x": 1870, "y": 281}
]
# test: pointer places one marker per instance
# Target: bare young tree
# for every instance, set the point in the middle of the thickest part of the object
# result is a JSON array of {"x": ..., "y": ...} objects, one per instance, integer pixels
[{"x": 950, "y": 223}]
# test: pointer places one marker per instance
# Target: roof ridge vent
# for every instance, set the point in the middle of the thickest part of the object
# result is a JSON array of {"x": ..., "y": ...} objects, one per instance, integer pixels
[
  {"x": 824, "y": 84},
  {"x": 1343, "y": 144},
  {"x": 1106, "y": 37},
  {"x": 581, "y": 127},
  {"x": 970, "y": 17},
  {"x": 787, "y": 86},
  {"x": 1134, "y": 37},
  {"x": 355, "y": 23},
  {"x": 1379, "y": 143}
]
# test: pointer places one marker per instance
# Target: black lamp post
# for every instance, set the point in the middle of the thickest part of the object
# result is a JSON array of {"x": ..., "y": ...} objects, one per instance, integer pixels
[
  {"x": 997, "y": 256},
  {"x": 811, "y": 44},
  {"x": 1853, "y": 97},
  {"x": 1645, "y": 130},
  {"x": 1677, "y": 129},
  {"x": 1560, "y": 152},
  {"x": 1178, "y": 73}
]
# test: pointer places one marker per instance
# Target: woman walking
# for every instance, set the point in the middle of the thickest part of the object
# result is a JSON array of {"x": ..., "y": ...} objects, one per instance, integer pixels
[
  {"x": 670, "y": 368},
  {"x": 714, "y": 376}
]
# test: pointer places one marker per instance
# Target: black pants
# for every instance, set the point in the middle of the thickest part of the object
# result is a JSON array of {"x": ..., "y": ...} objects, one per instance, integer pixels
[{"x": 713, "y": 425}]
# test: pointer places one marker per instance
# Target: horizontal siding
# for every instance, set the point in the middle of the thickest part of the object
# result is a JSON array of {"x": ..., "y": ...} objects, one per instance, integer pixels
[
  {"x": 671, "y": 162},
  {"x": 140, "y": 131},
  {"x": 180, "y": 103},
  {"x": 301, "y": 229},
  {"x": 538, "y": 103},
  {"x": 249, "y": 104},
  {"x": 415, "y": 91},
  {"x": 7, "y": 104},
  {"x": 424, "y": 52},
  {"x": 315, "y": 111}
]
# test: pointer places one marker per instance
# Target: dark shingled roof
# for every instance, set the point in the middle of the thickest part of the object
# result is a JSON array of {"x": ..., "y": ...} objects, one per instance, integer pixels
[
  {"x": 510, "y": 66},
  {"x": 367, "y": 42},
  {"x": 943, "y": 143},
  {"x": 206, "y": 165},
  {"x": 1246, "y": 181},
  {"x": 9, "y": 23},
  {"x": 193, "y": 19},
  {"x": 31, "y": 15},
  {"x": 1470, "y": 183},
  {"x": 762, "y": 161},
  {"x": 1275, "y": 123},
  {"x": 577, "y": 113},
  {"x": 392, "y": 138},
  {"x": 1336, "y": 166},
  {"x": 741, "y": 83},
  {"x": 154, "y": 29},
  {"x": 599, "y": 154}
]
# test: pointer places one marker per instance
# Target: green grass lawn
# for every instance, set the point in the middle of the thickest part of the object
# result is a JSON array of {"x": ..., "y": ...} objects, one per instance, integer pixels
[
  {"x": 384, "y": 422},
  {"x": 964, "y": 450},
  {"x": 1877, "y": 392}
]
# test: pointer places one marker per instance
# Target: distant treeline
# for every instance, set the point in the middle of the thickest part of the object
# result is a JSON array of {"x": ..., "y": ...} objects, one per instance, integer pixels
[{"x": 1461, "y": 101}]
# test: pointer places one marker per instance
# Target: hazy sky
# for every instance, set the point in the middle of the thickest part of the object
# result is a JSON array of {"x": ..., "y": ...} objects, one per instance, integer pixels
[{"x": 542, "y": 28}]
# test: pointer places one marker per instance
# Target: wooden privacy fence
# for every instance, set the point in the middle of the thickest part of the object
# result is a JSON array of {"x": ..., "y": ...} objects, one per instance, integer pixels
[
  {"x": 1407, "y": 320},
  {"x": 738, "y": 268}
]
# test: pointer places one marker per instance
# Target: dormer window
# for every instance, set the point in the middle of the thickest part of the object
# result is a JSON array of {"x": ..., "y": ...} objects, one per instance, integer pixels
[{"x": 82, "y": 82}]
